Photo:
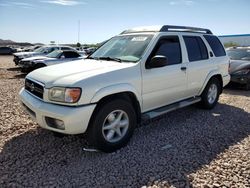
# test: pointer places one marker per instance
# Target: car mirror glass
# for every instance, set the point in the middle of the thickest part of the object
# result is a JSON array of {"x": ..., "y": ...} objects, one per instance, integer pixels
[{"x": 157, "y": 61}]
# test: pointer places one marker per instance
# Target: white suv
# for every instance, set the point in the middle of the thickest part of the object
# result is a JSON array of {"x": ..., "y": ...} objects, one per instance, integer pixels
[{"x": 141, "y": 73}]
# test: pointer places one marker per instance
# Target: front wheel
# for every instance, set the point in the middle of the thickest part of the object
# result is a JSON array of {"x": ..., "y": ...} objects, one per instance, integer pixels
[
  {"x": 112, "y": 125},
  {"x": 210, "y": 95}
]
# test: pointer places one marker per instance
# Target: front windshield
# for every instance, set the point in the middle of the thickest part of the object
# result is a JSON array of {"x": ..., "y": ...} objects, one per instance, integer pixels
[
  {"x": 128, "y": 48},
  {"x": 54, "y": 54},
  {"x": 238, "y": 54},
  {"x": 41, "y": 49}
]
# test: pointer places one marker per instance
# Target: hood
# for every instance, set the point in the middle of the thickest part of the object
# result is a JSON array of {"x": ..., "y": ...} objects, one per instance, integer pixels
[
  {"x": 236, "y": 65},
  {"x": 67, "y": 74},
  {"x": 37, "y": 58},
  {"x": 26, "y": 54}
]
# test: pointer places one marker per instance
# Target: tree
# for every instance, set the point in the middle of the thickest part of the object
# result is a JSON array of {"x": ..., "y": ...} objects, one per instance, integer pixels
[
  {"x": 230, "y": 44},
  {"x": 78, "y": 44}
]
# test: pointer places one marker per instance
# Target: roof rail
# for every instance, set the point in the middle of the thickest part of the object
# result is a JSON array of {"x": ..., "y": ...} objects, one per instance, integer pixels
[{"x": 166, "y": 28}]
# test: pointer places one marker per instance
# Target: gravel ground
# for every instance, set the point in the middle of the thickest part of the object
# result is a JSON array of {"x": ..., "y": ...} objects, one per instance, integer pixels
[{"x": 189, "y": 147}]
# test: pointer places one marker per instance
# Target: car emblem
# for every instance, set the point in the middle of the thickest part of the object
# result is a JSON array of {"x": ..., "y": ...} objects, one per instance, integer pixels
[{"x": 32, "y": 87}]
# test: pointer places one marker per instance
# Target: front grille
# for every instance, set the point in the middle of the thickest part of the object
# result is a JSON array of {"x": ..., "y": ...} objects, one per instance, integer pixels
[{"x": 34, "y": 88}]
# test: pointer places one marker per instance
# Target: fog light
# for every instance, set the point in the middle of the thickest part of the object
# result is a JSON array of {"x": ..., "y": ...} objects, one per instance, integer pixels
[{"x": 55, "y": 123}]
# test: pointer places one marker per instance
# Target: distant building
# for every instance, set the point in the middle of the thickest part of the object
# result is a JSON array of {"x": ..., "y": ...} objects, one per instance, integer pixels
[{"x": 240, "y": 40}]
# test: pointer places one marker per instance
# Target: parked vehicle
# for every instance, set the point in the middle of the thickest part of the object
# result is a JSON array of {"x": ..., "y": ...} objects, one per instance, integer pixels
[
  {"x": 240, "y": 66},
  {"x": 6, "y": 51},
  {"x": 140, "y": 74},
  {"x": 90, "y": 50},
  {"x": 55, "y": 57},
  {"x": 39, "y": 51}
]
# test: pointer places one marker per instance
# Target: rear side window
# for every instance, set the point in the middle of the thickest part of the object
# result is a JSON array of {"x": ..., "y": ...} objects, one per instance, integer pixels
[
  {"x": 196, "y": 48},
  {"x": 66, "y": 48},
  {"x": 170, "y": 48},
  {"x": 216, "y": 45},
  {"x": 71, "y": 55}
]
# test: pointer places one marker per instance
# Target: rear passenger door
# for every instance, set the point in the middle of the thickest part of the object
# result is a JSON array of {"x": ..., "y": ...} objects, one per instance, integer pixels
[
  {"x": 164, "y": 85},
  {"x": 198, "y": 64}
]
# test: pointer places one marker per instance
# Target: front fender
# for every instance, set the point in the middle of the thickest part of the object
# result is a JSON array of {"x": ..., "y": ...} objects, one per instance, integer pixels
[{"x": 113, "y": 89}]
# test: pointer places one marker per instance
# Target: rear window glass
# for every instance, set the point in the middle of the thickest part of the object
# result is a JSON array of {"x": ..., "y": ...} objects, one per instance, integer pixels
[
  {"x": 196, "y": 48},
  {"x": 216, "y": 45}
]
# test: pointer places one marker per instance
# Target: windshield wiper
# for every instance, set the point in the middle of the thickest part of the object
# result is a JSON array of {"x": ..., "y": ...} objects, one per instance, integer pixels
[{"x": 110, "y": 59}]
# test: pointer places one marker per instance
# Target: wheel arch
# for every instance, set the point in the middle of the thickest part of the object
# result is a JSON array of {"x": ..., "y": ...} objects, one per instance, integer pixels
[
  {"x": 121, "y": 91},
  {"x": 213, "y": 74}
]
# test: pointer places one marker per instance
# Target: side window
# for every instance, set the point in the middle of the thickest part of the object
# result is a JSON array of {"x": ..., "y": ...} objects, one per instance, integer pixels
[
  {"x": 70, "y": 54},
  {"x": 216, "y": 45},
  {"x": 170, "y": 48},
  {"x": 74, "y": 54},
  {"x": 65, "y": 48},
  {"x": 196, "y": 48},
  {"x": 51, "y": 50}
]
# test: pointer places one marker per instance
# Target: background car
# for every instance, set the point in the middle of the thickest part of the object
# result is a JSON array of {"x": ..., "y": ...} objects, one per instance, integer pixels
[
  {"x": 90, "y": 50},
  {"x": 6, "y": 51},
  {"x": 55, "y": 57},
  {"x": 240, "y": 65},
  {"x": 38, "y": 52}
]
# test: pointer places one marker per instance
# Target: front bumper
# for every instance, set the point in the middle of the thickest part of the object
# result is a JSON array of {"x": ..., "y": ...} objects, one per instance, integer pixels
[
  {"x": 240, "y": 79},
  {"x": 76, "y": 119}
]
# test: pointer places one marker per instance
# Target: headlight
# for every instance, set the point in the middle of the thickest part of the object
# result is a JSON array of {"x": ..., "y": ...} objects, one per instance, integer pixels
[
  {"x": 67, "y": 95},
  {"x": 244, "y": 71}
]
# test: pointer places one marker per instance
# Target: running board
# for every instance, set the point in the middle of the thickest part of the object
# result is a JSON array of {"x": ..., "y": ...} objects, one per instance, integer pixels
[{"x": 169, "y": 108}]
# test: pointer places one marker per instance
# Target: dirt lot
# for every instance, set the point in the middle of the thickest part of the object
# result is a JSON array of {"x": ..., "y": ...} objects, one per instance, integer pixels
[{"x": 189, "y": 147}]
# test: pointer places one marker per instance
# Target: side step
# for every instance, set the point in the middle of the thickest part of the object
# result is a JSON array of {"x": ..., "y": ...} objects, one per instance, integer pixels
[{"x": 168, "y": 108}]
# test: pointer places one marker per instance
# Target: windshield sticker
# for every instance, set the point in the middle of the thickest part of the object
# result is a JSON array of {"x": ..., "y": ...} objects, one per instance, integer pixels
[{"x": 139, "y": 39}]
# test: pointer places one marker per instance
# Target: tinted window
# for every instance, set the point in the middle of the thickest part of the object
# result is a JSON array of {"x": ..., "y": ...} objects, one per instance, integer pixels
[
  {"x": 66, "y": 48},
  {"x": 71, "y": 54},
  {"x": 216, "y": 45},
  {"x": 170, "y": 48},
  {"x": 196, "y": 48}
]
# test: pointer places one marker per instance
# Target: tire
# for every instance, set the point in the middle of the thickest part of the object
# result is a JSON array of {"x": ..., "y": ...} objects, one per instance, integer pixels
[
  {"x": 247, "y": 87},
  {"x": 106, "y": 135},
  {"x": 211, "y": 93}
]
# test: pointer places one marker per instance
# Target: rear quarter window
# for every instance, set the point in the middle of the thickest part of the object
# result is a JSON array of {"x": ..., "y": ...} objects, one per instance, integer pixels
[{"x": 216, "y": 45}]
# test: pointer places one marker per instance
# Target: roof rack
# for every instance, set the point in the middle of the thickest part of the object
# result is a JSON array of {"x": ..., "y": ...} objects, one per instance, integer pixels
[{"x": 166, "y": 28}]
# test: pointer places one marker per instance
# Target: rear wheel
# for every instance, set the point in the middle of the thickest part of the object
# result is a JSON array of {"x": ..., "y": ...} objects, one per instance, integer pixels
[
  {"x": 210, "y": 95},
  {"x": 112, "y": 125}
]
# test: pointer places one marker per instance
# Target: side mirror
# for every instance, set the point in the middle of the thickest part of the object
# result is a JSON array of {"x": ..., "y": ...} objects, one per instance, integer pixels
[
  {"x": 157, "y": 61},
  {"x": 62, "y": 57}
]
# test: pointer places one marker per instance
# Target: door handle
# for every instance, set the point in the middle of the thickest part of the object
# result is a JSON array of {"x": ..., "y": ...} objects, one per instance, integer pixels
[{"x": 183, "y": 68}]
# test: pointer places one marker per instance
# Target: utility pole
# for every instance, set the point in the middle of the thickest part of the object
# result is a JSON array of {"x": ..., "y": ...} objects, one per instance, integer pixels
[{"x": 78, "y": 31}]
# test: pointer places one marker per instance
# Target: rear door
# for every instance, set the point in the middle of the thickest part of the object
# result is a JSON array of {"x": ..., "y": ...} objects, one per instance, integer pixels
[
  {"x": 198, "y": 63},
  {"x": 164, "y": 85}
]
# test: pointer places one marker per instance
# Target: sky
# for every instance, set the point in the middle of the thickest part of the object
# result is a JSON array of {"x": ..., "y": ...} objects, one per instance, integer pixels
[{"x": 58, "y": 20}]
